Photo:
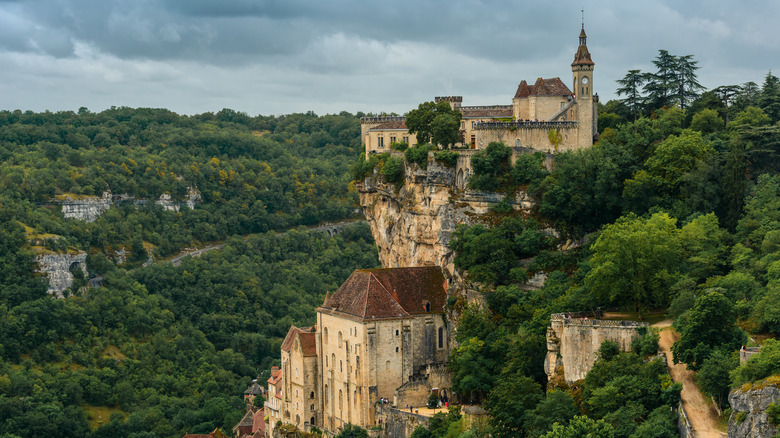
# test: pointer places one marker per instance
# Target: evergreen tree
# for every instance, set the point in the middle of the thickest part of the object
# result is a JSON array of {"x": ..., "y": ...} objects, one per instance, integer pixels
[
  {"x": 630, "y": 88},
  {"x": 660, "y": 86},
  {"x": 686, "y": 82},
  {"x": 769, "y": 98}
]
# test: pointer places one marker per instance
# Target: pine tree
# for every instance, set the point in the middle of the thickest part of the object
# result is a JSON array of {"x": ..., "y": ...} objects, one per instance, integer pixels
[
  {"x": 660, "y": 86},
  {"x": 686, "y": 82},
  {"x": 630, "y": 88},
  {"x": 769, "y": 98}
]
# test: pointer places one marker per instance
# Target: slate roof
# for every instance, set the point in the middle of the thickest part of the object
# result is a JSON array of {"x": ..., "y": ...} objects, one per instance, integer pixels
[
  {"x": 583, "y": 55},
  {"x": 254, "y": 389},
  {"x": 396, "y": 124},
  {"x": 307, "y": 338},
  {"x": 504, "y": 111},
  {"x": 543, "y": 87},
  {"x": 389, "y": 293}
]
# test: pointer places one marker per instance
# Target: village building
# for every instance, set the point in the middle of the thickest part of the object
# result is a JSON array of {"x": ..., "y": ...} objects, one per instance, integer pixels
[
  {"x": 545, "y": 116},
  {"x": 273, "y": 402},
  {"x": 382, "y": 337}
]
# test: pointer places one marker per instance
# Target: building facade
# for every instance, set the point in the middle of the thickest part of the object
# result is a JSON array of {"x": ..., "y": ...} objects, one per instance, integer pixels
[
  {"x": 381, "y": 330},
  {"x": 547, "y": 116}
]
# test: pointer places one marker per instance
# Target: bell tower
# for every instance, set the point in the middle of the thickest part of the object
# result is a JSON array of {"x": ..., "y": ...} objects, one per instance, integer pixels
[{"x": 582, "y": 70}]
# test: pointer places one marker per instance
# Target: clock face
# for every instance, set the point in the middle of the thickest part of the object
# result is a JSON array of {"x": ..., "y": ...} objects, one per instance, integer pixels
[{"x": 585, "y": 80}]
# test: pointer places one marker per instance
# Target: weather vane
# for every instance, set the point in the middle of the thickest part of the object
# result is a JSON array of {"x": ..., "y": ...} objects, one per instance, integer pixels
[{"x": 583, "y": 18}]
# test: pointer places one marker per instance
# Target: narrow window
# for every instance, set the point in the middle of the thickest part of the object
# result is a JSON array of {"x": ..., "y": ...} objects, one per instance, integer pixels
[
  {"x": 341, "y": 339},
  {"x": 341, "y": 365},
  {"x": 396, "y": 349},
  {"x": 441, "y": 337},
  {"x": 380, "y": 141},
  {"x": 396, "y": 332}
]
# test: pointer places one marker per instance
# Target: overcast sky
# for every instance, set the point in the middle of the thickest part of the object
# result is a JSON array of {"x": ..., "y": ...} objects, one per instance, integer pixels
[{"x": 283, "y": 56}]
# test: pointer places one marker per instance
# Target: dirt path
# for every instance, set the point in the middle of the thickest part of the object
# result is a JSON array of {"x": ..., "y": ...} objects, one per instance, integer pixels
[{"x": 701, "y": 413}]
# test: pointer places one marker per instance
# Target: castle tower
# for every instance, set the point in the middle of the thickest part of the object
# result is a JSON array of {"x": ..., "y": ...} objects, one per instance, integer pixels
[{"x": 582, "y": 70}]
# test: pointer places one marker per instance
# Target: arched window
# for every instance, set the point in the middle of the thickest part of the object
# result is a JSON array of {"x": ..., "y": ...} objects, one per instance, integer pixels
[
  {"x": 427, "y": 306},
  {"x": 341, "y": 400},
  {"x": 396, "y": 332},
  {"x": 298, "y": 420},
  {"x": 311, "y": 420},
  {"x": 311, "y": 395},
  {"x": 341, "y": 365},
  {"x": 340, "y": 339},
  {"x": 441, "y": 337},
  {"x": 326, "y": 395},
  {"x": 326, "y": 360},
  {"x": 396, "y": 349},
  {"x": 387, "y": 366},
  {"x": 325, "y": 335},
  {"x": 333, "y": 359}
]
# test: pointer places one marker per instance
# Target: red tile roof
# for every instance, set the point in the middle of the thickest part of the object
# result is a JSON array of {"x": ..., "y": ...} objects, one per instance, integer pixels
[
  {"x": 389, "y": 125},
  {"x": 307, "y": 338},
  {"x": 276, "y": 375},
  {"x": 258, "y": 424},
  {"x": 543, "y": 87},
  {"x": 390, "y": 293}
]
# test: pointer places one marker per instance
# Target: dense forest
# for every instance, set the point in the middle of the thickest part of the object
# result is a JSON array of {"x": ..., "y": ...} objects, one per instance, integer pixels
[
  {"x": 164, "y": 350},
  {"x": 254, "y": 174}
]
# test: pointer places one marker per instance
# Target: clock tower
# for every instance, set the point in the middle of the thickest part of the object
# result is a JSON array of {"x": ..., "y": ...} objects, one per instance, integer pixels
[{"x": 582, "y": 70}]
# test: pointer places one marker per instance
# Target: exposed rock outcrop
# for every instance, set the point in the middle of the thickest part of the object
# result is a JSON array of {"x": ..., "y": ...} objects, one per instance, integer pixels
[
  {"x": 86, "y": 208},
  {"x": 748, "y": 416},
  {"x": 58, "y": 268},
  {"x": 413, "y": 225}
]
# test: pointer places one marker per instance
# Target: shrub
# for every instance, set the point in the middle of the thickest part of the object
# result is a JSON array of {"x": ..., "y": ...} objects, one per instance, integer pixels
[
  {"x": 393, "y": 171},
  {"x": 447, "y": 158},
  {"x": 418, "y": 154},
  {"x": 399, "y": 146},
  {"x": 433, "y": 401}
]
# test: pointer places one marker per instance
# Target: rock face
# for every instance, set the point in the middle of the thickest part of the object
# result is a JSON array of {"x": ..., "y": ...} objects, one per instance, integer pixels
[
  {"x": 57, "y": 268},
  {"x": 413, "y": 225},
  {"x": 87, "y": 208},
  {"x": 748, "y": 416}
]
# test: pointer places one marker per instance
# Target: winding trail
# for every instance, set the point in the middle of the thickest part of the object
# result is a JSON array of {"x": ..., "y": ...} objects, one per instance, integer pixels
[{"x": 701, "y": 412}]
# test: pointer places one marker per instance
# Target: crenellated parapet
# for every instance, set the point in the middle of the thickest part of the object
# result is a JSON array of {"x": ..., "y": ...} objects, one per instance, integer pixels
[{"x": 573, "y": 341}]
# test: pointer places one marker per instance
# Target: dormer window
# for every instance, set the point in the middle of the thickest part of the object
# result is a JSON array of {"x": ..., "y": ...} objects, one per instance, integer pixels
[{"x": 427, "y": 306}]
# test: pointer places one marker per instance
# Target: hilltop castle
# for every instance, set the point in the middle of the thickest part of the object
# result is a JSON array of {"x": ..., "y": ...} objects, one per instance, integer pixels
[{"x": 546, "y": 116}]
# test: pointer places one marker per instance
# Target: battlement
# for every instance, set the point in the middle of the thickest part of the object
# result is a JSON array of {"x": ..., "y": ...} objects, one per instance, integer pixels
[
  {"x": 524, "y": 124},
  {"x": 487, "y": 107},
  {"x": 451, "y": 99},
  {"x": 382, "y": 119},
  {"x": 573, "y": 340}
]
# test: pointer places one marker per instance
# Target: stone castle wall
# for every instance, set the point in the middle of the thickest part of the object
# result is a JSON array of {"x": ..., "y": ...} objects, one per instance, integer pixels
[
  {"x": 398, "y": 423},
  {"x": 574, "y": 342},
  {"x": 535, "y": 135}
]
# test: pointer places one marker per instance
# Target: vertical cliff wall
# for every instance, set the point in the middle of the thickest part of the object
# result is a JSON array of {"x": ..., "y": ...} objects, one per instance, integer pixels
[
  {"x": 748, "y": 411},
  {"x": 57, "y": 268},
  {"x": 413, "y": 225}
]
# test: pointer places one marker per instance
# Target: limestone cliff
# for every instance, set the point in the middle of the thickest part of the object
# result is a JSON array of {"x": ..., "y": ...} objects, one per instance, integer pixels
[
  {"x": 413, "y": 225},
  {"x": 86, "y": 208},
  {"x": 58, "y": 267},
  {"x": 748, "y": 416}
]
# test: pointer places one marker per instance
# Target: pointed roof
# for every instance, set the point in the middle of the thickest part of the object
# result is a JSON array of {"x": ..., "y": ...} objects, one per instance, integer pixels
[
  {"x": 543, "y": 87},
  {"x": 582, "y": 57},
  {"x": 389, "y": 293},
  {"x": 307, "y": 338}
]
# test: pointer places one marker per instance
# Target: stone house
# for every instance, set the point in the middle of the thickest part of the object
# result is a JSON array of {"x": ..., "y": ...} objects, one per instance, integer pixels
[
  {"x": 547, "y": 116},
  {"x": 383, "y": 335}
]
